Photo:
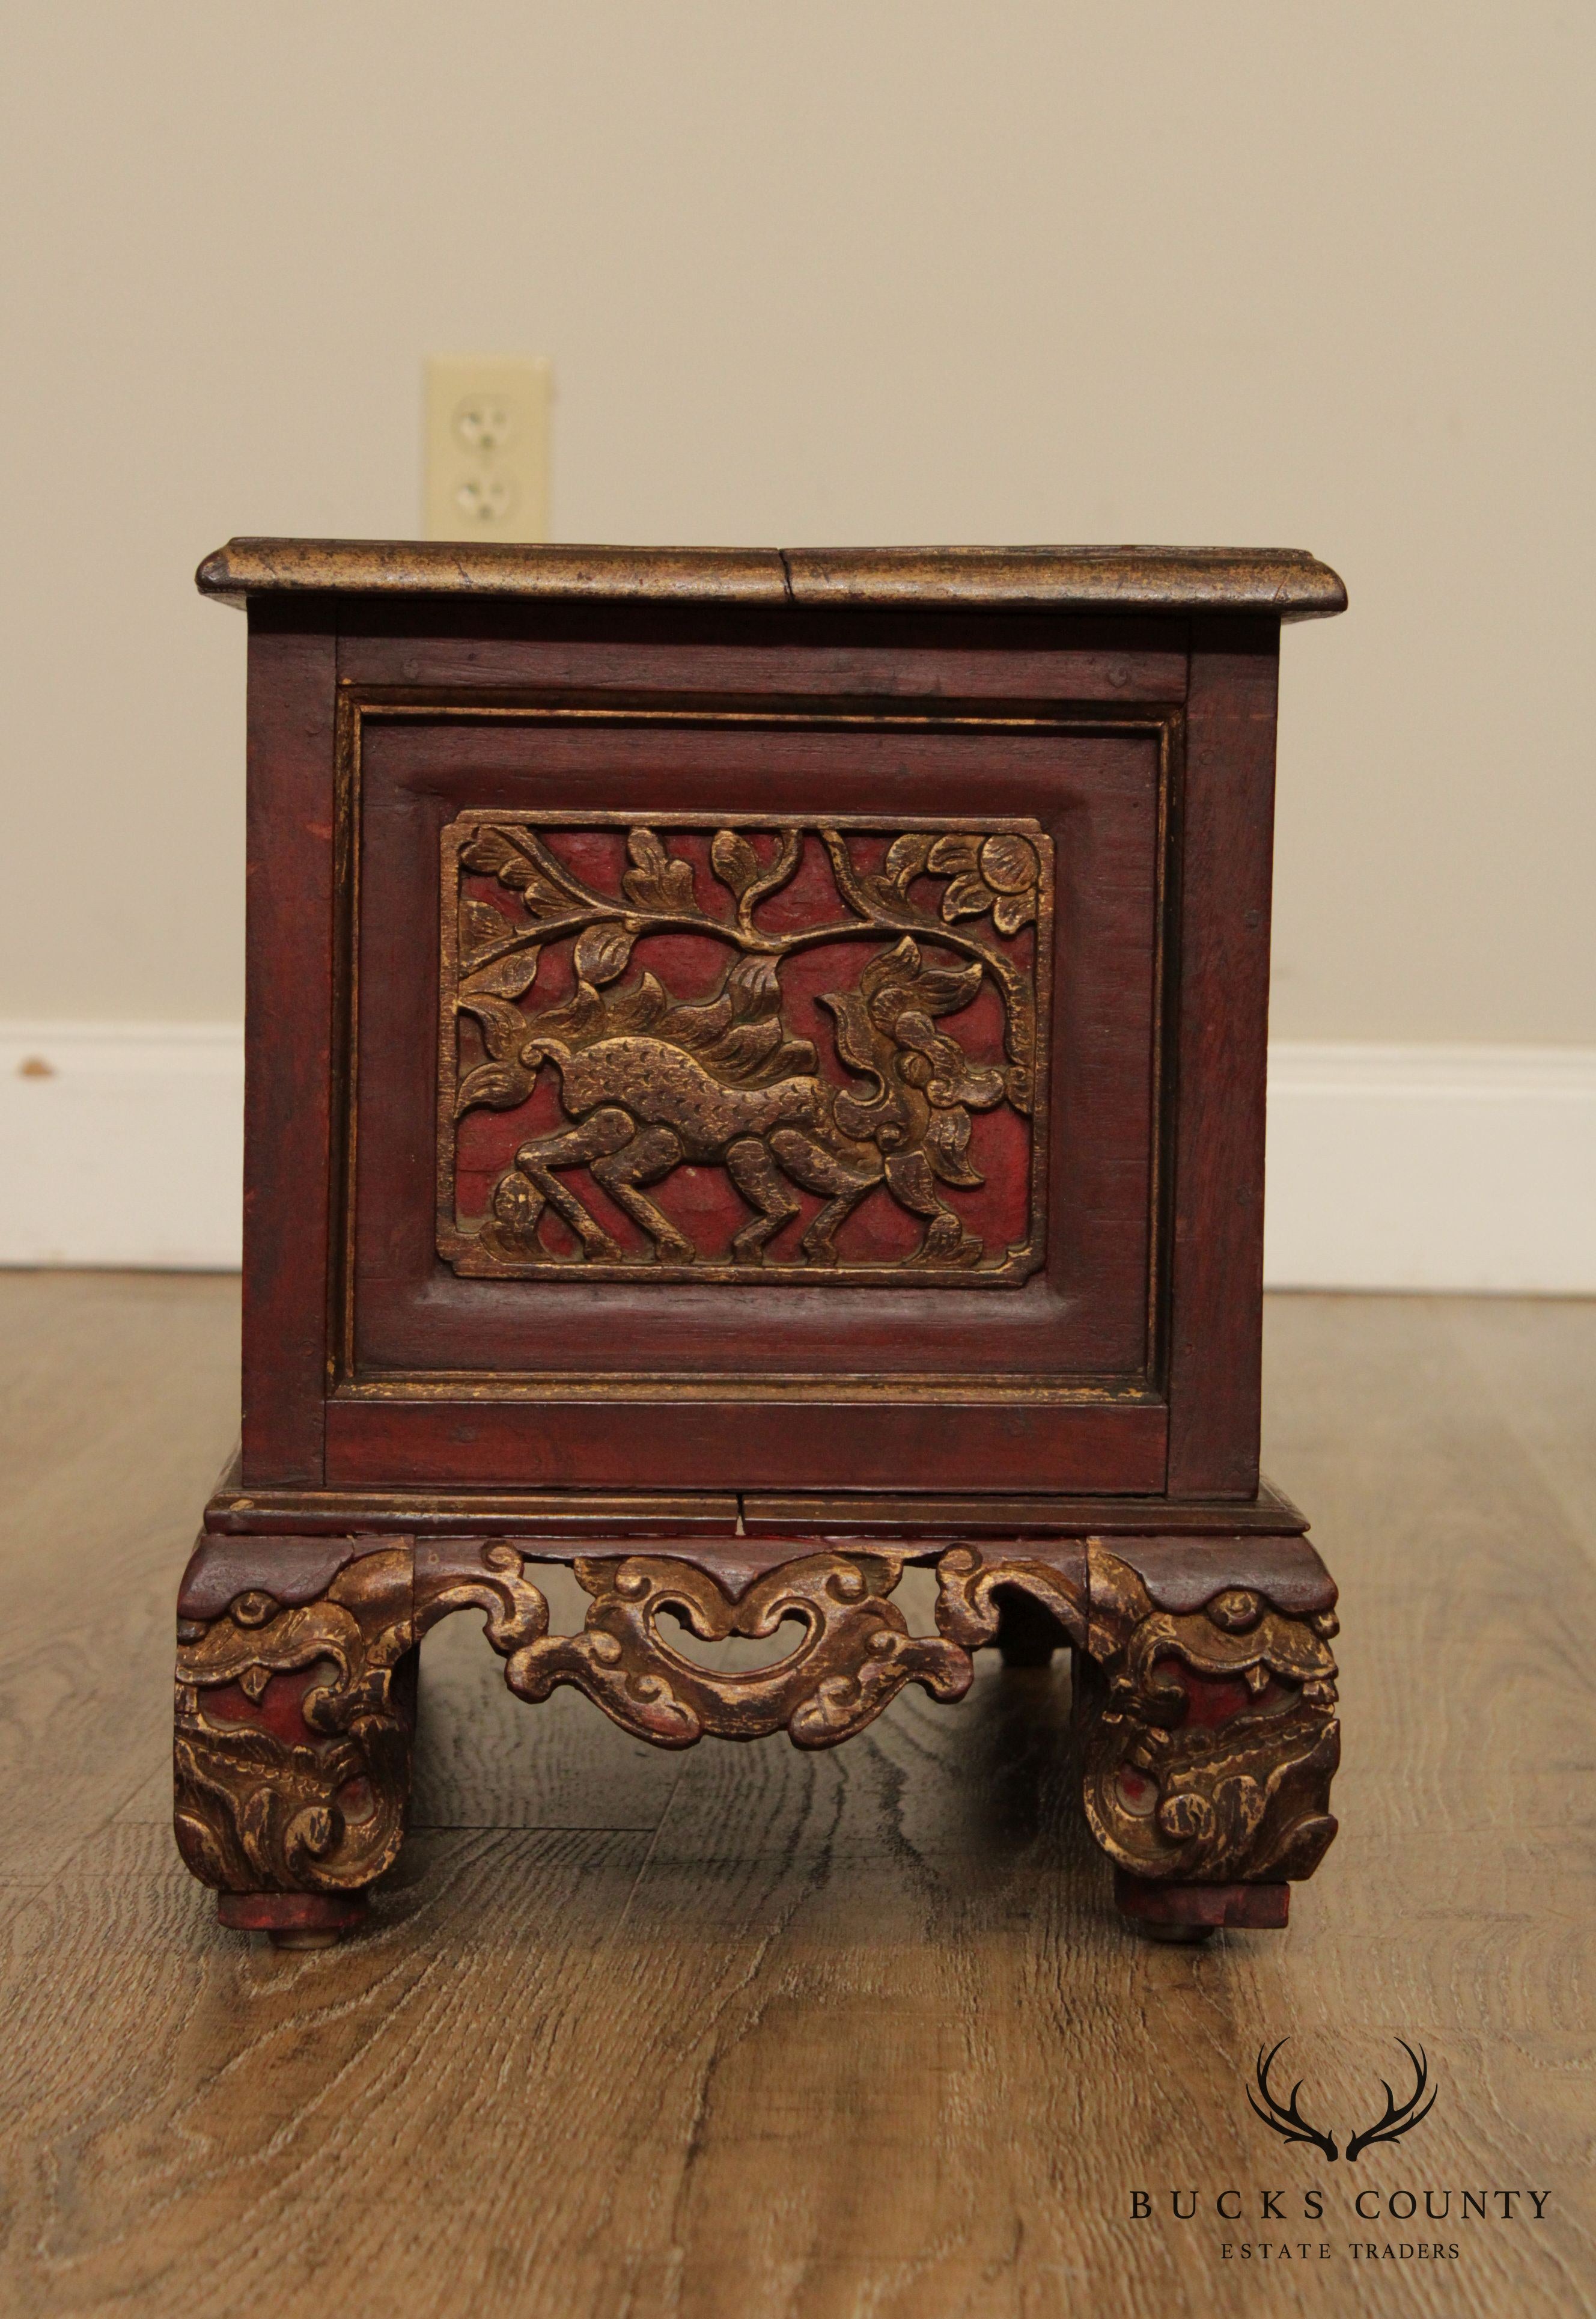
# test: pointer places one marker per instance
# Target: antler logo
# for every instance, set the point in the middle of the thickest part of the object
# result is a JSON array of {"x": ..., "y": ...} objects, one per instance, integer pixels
[
  {"x": 1400, "y": 2117},
  {"x": 1290, "y": 2126}
]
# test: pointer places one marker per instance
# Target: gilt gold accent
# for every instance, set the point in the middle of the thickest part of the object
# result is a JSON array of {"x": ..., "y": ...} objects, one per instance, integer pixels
[
  {"x": 854, "y": 1655},
  {"x": 1211, "y": 1737},
  {"x": 968, "y": 1611},
  {"x": 1219, "y": 1774},
  {"x": 648, "y": 1083},
  {"x": 302, "y": 1786},
  {"x": 1285, "y": 582},
  {"x": 299, "y": 1787}
]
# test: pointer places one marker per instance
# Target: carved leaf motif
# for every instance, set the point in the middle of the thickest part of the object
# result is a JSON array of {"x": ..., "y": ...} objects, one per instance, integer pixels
[
  {"x": 491, "y": 853},
  {"x": 504, "y": 1026},
  {"x": 695, "y": 1027},
  {"x": 645, "y": 849},
  {"x": 655, "y": 881},
  {"x": 909, "y": 1176},
  {"x": 734, "y": 860},
  {"x": 954, "y": 855},
  {"x": 578, "y": 1020},
  {"x": 481, "y": 929},
  {"x": 543, "y": 900},
  {"x": 898, "y": 979},
  {"x": 753, "y": 986},
  {"x": 638, "y": 1009},
  {"x": 1010, "y": 912},
  {"x": 505, "y": 1080},
  {"x": 738, "y": 1035},
  {"x": 740, "y": 1054},
  {"x": 602, "y": 953},
  {"x": 966, "y": 898},
  {"x": 899, "y": 964},
  {"x": 907, "y": 857},
  {"x": 498, "y": 1086},
  {"x": 494, "y": 854},
  {"x": 857, "y": 1042},
  {"x": 947, "y": 1145},
  {"x": 947, "y": 989},
  {"x": 507, "y": 978}
]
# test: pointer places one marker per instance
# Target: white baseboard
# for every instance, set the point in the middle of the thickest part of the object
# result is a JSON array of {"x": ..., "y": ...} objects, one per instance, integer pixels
[
  {"x": 122, "y": 1144},
  {"x": 1397, "y": 1168},
  {"x": 1432, "y": 1168}
]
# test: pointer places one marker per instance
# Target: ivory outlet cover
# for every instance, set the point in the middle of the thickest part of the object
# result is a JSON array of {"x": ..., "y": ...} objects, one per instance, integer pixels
[{"x": 487, "y": 446}]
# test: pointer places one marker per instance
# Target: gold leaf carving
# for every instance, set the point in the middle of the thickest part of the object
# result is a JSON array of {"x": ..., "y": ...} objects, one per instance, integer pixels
[
  {"x": 650, "y": 1081},
  {"x": 1209, "y": 1737},
  {"x": 256, "y": 1811},
  {"x": 855, "y": 1655},
  {"x": 601, "y": 952},
  {"x": 507, "y": 978},
  {"x": 735, "y": 862}
]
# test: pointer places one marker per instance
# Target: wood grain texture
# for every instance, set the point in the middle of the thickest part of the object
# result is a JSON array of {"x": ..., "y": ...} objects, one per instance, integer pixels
[
  {"x": 1216, "y": 1253},
  {"x": 288, "y": 1123},
  {"x": 116, "y": 1390},
  {"x": 748, "y": 2033},
  {"x": 747, "y": 653},
  {"x": 1285, "y": 582}
]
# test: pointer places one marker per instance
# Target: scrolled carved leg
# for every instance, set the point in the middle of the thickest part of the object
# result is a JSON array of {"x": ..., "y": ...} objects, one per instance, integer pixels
[
  {"x": 1206, "y": 1715},
  {"x": 294, "y": 1727},
  {"x": 1211, "y": 1739},
  {"x": 1204, "y": 1694}
]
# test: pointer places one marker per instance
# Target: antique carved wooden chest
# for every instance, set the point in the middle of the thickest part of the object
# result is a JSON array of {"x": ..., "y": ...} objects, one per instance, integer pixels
[{"x": 755, "y": 1077}]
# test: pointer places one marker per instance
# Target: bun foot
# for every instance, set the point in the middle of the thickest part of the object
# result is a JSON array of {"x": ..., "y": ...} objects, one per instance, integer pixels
[
  {"x": 1190, "y": 1912},
  {"x": 295, "y": 1921}
]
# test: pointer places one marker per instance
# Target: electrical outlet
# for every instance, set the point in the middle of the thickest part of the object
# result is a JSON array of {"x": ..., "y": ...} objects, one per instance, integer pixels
[{"x": 486, "y": 447}]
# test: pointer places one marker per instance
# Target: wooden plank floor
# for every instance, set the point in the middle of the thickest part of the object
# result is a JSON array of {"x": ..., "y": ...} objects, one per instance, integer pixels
[{"x": 744, "y": 2033}]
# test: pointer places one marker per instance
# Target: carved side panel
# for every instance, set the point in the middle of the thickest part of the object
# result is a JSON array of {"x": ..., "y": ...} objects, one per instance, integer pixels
[{"x": 718, "y": 1050}]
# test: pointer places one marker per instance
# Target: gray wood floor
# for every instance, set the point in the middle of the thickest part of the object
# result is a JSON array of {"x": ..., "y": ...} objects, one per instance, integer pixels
[{"x": 747, "y": 2032}]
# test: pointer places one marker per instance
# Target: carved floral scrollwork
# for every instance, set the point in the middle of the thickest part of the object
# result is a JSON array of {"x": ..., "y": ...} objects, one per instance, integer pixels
[
  {"x": 856, "y": 1653},
  {"x": 302, "y": 1786},
  {"x": 1209, "y": 1734},
  {"x": 650, "y": 1082},
  {"x": 968, "y": 1611}
]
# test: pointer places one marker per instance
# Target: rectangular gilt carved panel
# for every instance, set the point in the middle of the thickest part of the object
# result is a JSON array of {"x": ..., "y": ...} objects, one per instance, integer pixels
[{"x": 728, "y": 1048}]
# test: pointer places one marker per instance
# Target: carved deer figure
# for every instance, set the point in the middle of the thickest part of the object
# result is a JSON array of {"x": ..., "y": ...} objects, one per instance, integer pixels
[{"x": 651, "y": 1083}]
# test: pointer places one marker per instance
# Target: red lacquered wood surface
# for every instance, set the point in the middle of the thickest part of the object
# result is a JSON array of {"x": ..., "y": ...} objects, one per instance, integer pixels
[
  {"x": 1126, "y": 702},
  {"x": 1085, "y": 1318},
  {"x": 290, "y": 1050},
  {"x": 779, "y": 1443},
  {"x": 1221, "y": 1032}
]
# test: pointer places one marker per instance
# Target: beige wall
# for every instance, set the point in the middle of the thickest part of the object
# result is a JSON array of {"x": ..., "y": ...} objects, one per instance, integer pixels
[{"x": 822, "y": 271}]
